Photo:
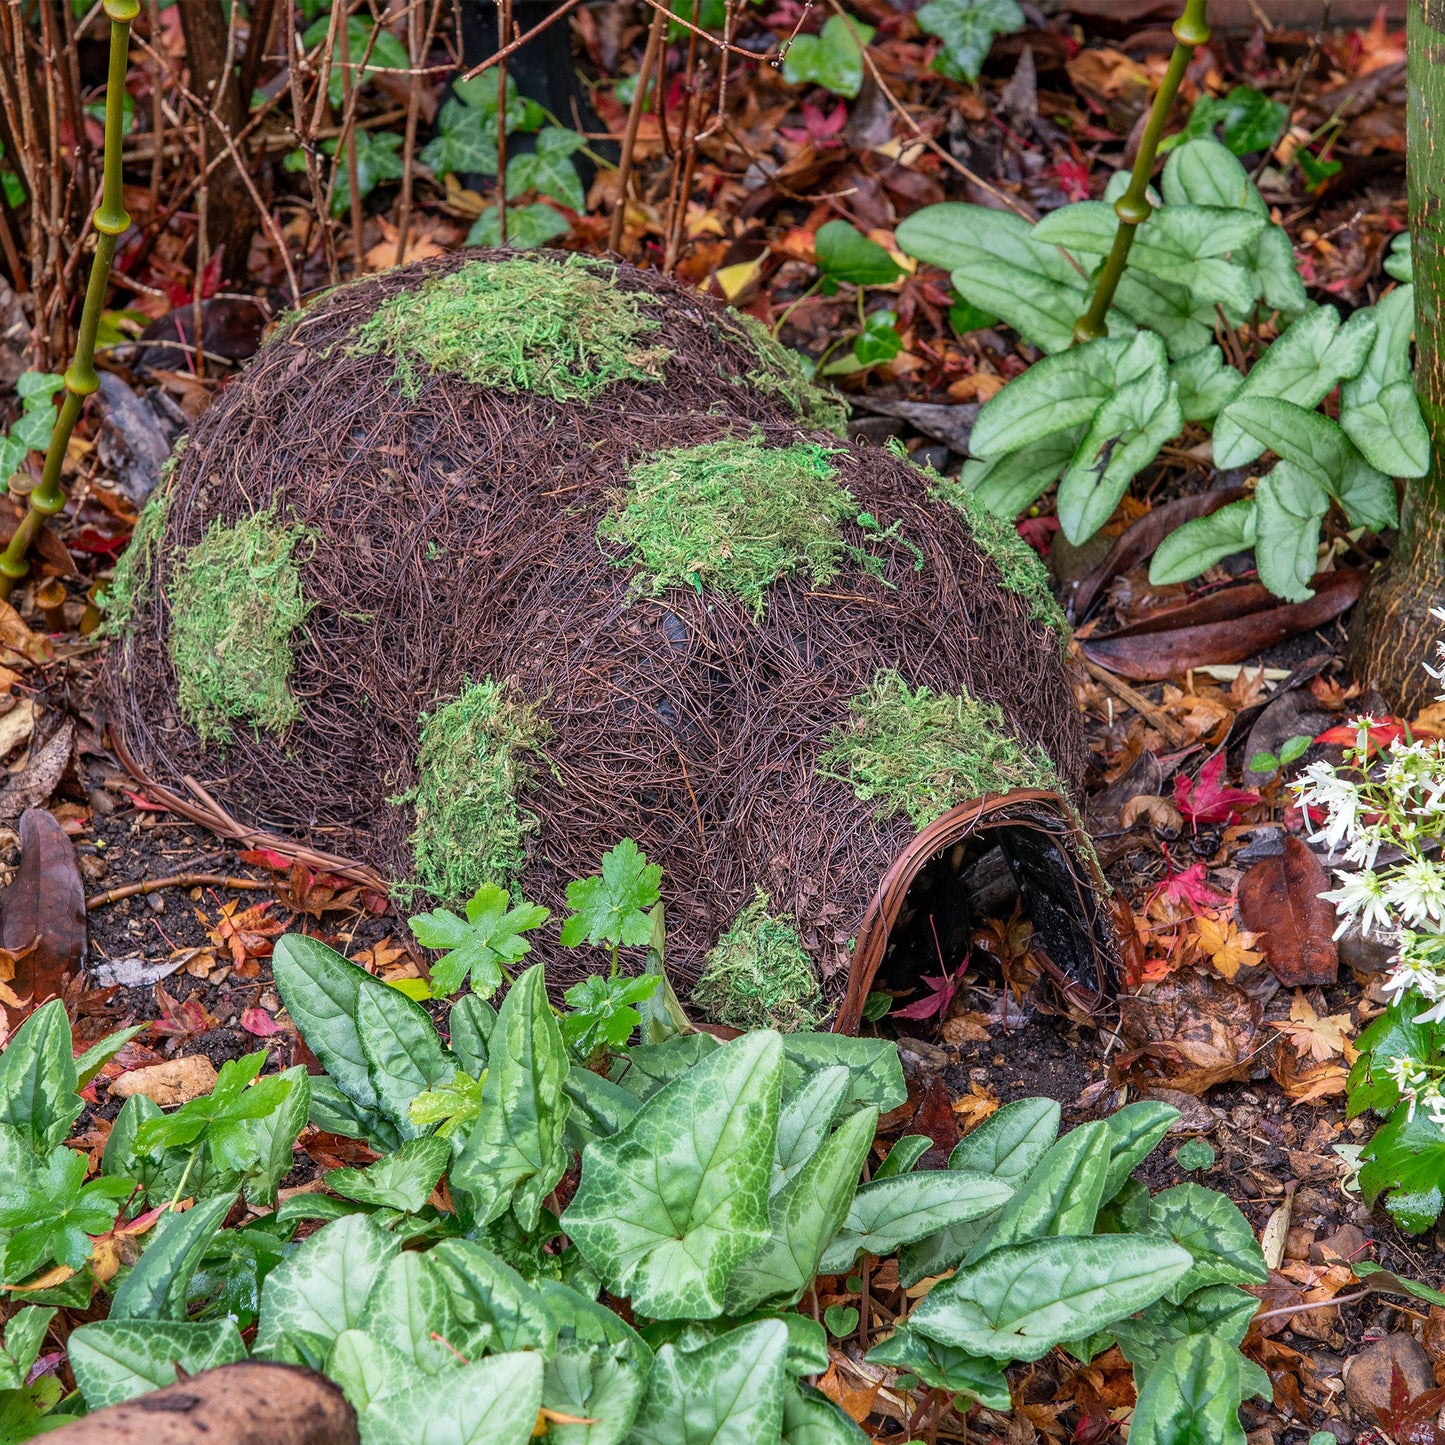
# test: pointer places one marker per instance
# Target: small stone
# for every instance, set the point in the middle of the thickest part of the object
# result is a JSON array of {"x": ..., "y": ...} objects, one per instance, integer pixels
[
  {"x": 1299, "y": 1243},
  {"x": 1369, "y": 1373},
  {"x": 1347, "y": 1243},
  {"x": 177, "y": 1081},
  {"x": 1368, "y": 952}
]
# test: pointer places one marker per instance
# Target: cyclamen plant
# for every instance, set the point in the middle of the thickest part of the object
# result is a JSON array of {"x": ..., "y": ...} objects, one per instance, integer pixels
[{"x": 1389, "y": 802}]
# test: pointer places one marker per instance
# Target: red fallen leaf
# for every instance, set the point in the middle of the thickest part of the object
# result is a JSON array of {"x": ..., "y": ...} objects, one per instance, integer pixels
[
  {"x": 1038, "y": 532},
  {"x": 1207, "y": 799},
  {"x": 1384, "y": 733},
  {"x": 257, "y": 1021},
  {"x": 935, "y": 1119},
  {"x": 1417, "y": 1421},
  {"x": 822, "y": 130},
  {"x": 1279, "y": 900},
  {"x": 266, "y": 858},
  {"x": 940, "y": 995},
  {"x": 1191, "y": 889},
  {"x": 100, "y": 544},
  {"x": 139, "y": 800},
  {"x": 181, "y": 1019}
]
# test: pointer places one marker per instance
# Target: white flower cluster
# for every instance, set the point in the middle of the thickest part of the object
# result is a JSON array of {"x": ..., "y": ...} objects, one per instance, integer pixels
[
  {"x": 1420, "y": 1087},
  {"x": 1393, "y": 803}
]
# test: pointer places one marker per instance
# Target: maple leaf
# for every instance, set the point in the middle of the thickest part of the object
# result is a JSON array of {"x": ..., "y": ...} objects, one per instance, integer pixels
[
  {"x": 1190, "y": 888},
  {"x": 181, "y": 1019},
  {"x": 244, "y": 934},
  {"x": 1320, "y": 1037},
  {"x": 1207, "y": 799},
  {"x": 613, "y": 908},
  {"x": 822, "y": 130},
  {"x": 480, "y": 944},
  {"x": 1227, "y": 945},
  {"x": 941, "y": 991}
]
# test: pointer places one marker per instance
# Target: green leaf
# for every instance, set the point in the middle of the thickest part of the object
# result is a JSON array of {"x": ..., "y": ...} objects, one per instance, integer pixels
[
  {"x": 515, "y": 1153},
  {"x": 1290, "y": 505},
  {"x": 368, "y": 1369},
  {"x": 482, "y": 944},
  {"x": 1383, "y": 1280},
  {"x": 1040, "y": 308},
  {"x": 873, "y": 1066},
  {"x": 38, "y": 1079},
  {"x": 663, "y": 1017},
  {"x": 549, "y": 169},
  {"x": 967, "y": 29},
  {"x": 320, "y": 989},
  {"x": 831, "y": 58},
  {"x": 806, "y": 1116},
  {"x": 942, "y": 1367},
  {"x": 1220, "y": 1310},
  {"x": 34, "y": 387},
  {"x": 377, "y": 160},
  {"x": 1202, "y": 172},
  {"x": 403, "y": 1180},
  {"x": 614, "y": 908},
  {"x": 1395, "y": 1034},
  {"x": 603, "y": 1016},
  {"x": 490, "y": 1402},
  {"x": 1185, "y": 322},
  {"x": 1218, "y": 1237},
  {"x": 1134, "y": 1130},
  {"x": 1201, "y": 542},
  {"x": 1124, "y": 437},
  {"x": 728, "y": 1392},
  {"x": 49, "y": 1209},
  {"x": 1309, "y": 441},
  {"x": 156, "y": 1288},
  {"x": 98, "y": 1055},
  {"x": 1198, "y": 1154},
  {"x": 669, "y": 1206},
  {"x": 1311, "y": 357},
  {"x": 1020, "y": 1301},
  {"x": 1191, "y": 1397},
  {"x": 387, "y": 53},
  {"x": 878, "y": 341},
  {"x": 1378, "y": 408},
  {"x": 448, "y": 1106},
  {"x": 1010, "y": 484},
  {"x": 602, "y": 1386},
  {"x": 321, "y": 1289},
  {"x": 24, "y": 1335},
  {"x": 403, "y": 1054},
  {"x": 410, "y": 1304},
  {"x": 649, "y": 1066},
  {"x": 528, "y": 226},
  {"x": 470, "y": 1026},
  {"x": 811, "y": 1418},
  {"x": 1206, "y": 382},
  {"x": 1251, "y": 121},
  {"x": 951, "y": 235},
  {"x": 905, "y": 1153},
  {"x": 599, "y": 1107},
  {"x": 843, "y": 253},
  {"x": 274, "y": 1136},
  {"x": 1405, "y": 1162},
  {"x": 488, "y": 1293},
  {"x": 1400, "y": 263},
  {"x": 1061, "y": 1196},
  {"x": 805, "y": 1215},
  {"x": 115, "y": 1360}
]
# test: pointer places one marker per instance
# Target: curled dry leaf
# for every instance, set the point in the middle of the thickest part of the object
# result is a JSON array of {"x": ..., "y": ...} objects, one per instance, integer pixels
[
  {"x": 1279, "y": 899},
  {"x": 1157, "y": 812},
  {"x": 177, "y": 1081}
]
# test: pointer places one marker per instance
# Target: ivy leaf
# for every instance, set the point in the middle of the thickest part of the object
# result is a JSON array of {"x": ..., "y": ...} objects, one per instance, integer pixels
[
  {"x": 602, "y": 1014},
  {"x": 549, "y": 169},
  {"x": 527, "y": 226},
  {"x": 967, "y": 29},
  {"x": 831, "y": 58},
  {"x": 482, "y": 943},
  {"x": 1217, "y": 1236},
  {"x": 613, "y": 908},
  {"x": 377, "y": 160},
  {"x": 667, "y": 1207},
  {"x": 388, "y": 53},
  {"x": 51, "y": 1211},
  {"x": 219, "y": 1119},
  {"x": 116, "y": 1360},
  {"x": 1248, "y": 119}
]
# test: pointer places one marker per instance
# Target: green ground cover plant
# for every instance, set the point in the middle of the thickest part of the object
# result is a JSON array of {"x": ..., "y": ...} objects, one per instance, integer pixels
[
  {"x": 456, "y": 1293},
  {"x": 919, "y": 752},
  {"x": 561, "y": 329},
  {"x": 133, "y": 572},
  {"x": 759, "y": 975},
  {"x": 235, "y": 606},
  {"x": 1091, "y": 416}
]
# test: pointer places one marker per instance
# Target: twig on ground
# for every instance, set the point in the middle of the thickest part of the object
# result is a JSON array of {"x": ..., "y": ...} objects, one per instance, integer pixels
[{"x": 177, "y": 880}]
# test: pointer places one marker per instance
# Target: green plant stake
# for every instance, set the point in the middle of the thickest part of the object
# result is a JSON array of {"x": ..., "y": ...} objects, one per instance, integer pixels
[
  {"x": 1133, "y": 208},
  {"x": 111, "y": 221}
]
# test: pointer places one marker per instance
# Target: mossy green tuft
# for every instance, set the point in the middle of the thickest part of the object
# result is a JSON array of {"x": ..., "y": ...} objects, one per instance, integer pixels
[
  {"x": 235, "y": 603},
  {"x": 759, "y": 976},
  {"x": 471, "y": 765},
  {"x": 784, "y": 372},
  {"x": 559, "y": 329},
  {"x": 131, "y": 578},
  {"x": 733, "y": 515},
  {"x": 920, "y": 753}
]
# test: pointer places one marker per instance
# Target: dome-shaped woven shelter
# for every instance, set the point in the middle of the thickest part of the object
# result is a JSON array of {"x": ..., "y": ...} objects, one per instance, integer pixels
[{"x": 485, "y": 564}]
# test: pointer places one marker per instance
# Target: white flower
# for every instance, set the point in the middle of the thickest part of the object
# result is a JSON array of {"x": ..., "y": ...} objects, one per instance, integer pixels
[
  {"x": 1417, "y": 891},
  {"x": 1360, "y": 893},
  {"x": 1433, "y": 1015}
]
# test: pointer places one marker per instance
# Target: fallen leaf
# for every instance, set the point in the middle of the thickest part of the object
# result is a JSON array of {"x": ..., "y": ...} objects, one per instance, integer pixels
[
  {"x": 854, "y": 1402},
  {"x": 1321, "y": 1038},
  {"x": 975, "y": 1106},
  {"x": 1157, "y": 812},
  {"x": 1207, "y": 798},
  {"x": 177, "y": 1081},
  {"x": 257, "y": 1021},
  {"x": 1226, "y": 945},
  {"x": 934, "y": 1118},
  {"x": 941, "y": 989},
  {"x": 1279, "y": 899},
  {"x": 16, "y": 726},
  {"x": 181, "y": 1019},
  {"x": 36, "y": 781},
  {"x": 421, "y": 245},
  {"x": 245, "y": 932}
]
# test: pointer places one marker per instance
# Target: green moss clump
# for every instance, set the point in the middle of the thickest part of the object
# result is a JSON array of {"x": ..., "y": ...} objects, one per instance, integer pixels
[
  {"x": 759, "y": 976},
  {"x": 921, "y": 752},
  {"x": 559, "y": 329},
  {"x": 470, "y": 827},
  {"x": 235, "y": 602},
  {"x": 733, "y": 515},
  {"x": 782, "y": 370},
  {"x": 133, "y": 572}
]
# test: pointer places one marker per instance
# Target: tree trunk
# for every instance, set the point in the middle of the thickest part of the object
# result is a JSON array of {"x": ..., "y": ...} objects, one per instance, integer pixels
[
  {"x": 230, "y": 213},
  {"x": 1394, "y": 632}
]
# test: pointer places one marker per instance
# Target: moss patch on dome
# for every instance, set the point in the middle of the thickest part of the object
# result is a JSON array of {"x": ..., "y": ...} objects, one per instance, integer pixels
[
  {"x": 131, "y": 578},
  {"x": 759, "y": 976},
  {"x": 472, "y": 764},
  {"x": 783, "y": 371},
  {"x": 235, "y": 603},
  {"x": 920, "y": 753},
  {"x": 559, "y": 329},
  {"x": 733, "y": 515}
]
